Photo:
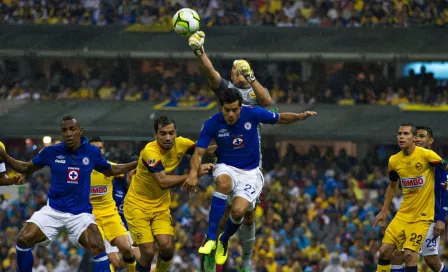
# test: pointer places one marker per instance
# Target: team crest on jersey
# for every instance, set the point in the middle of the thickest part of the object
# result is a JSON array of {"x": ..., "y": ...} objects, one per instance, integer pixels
[
  {"x": 247, "y": 125},
  {"x": 252, "y": 95},
  {"x": 73, "y": 175},
  {"x": 85, "y": 161},
  {"x": 418, "y": 166},
  {"x": 412, "y": 183},
  {"x": 238, "y": 142}
]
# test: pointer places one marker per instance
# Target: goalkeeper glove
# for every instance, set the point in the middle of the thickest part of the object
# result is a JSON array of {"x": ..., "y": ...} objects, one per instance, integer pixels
[
  {"x": 196, "y": 42},
  {"x": 243, "y": 68}
]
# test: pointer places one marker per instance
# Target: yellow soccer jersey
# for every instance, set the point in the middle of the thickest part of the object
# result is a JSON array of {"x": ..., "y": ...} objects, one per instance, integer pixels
[
  {"x": 416, "y": 174},
  {"x": 144, "y": 191},
  {"x": 101, "y": 193}
]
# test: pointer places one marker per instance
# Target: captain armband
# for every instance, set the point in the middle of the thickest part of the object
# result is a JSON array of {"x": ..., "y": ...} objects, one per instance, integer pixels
[{"x": 393, "y": 176}]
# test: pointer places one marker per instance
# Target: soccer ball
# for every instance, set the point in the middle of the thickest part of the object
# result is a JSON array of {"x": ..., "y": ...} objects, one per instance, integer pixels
[{"x": 186, "y": 22}]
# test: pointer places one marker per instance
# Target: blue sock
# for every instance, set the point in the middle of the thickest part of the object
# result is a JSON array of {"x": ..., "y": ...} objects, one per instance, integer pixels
[
  {"x": 217, "y": 210},
  {"x": 140, "y": 268},
  {"x": 232, "y": 227},
  {"x": 101, "y": 263},
  {"x": 396, "y": 268},
  {"x": 25, "y": 259},
  {"x": 443, "y": 269}
]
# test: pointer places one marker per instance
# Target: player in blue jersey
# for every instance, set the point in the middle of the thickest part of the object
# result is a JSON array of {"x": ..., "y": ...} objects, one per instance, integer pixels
[
  {"x": 120, "y": 188},
  {"x": 430, "y": 247},
  {"x": 71, "y": 164},
  {"x": 254, "y": 94},
  {"x": 237, "y": 174}
]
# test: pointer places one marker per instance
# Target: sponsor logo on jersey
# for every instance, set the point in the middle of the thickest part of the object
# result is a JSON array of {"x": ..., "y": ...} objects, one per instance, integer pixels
[
  {"x": 247, "y": 125},
  {"x": 225, "y": 134},
  {"x": 252, "y": 95},
  {"x": 59, "y": 161},
  {"x": 99, "y": 190},
  {"x": 85, "y": 161},
  {"x": 222, "y": 130},
  {"x": 60, "y": 157},
  {"x": 416, "y": 182},
  {"x": 73, "y": 175}
]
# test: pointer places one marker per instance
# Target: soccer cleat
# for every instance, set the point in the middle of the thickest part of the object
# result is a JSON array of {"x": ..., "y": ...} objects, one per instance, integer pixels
[
  {"x": 221, "y": 252},
  {"x": 243, "y": 269},
  {"x": 209, "y": 263},
  {"x": 208, "y": 246}
]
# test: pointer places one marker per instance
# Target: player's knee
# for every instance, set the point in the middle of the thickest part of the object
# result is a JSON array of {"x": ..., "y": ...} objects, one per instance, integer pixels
[
  {"x": 223, "y": 184},
  {"x": 97, "y": 248},
  {"x": 386, "y": 252},
  {"x": 238, "y": 212},
  {"x": 397, "y": 258},
  {"x": 146, "y": 253},
  {"x": 167, "y": 247},
  {"x": 25, "y": 240},
  {"x": 433, "y": 262},
  {"x": 410, "y": 257}
]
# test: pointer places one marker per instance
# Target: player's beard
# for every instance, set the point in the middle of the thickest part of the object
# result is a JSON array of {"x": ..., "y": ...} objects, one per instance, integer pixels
[{"x": 168, "y": 145}]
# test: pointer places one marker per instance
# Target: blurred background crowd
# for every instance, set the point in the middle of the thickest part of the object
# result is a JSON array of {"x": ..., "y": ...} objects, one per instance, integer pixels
[
  {"x": 157, "y": 81},
  {"x": 281, "y": 13},
  {"x": 318, "y": 201}
]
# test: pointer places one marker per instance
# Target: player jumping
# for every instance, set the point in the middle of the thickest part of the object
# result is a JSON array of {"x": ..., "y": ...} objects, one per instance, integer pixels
[
  {"x": 147, "y": 203},
  {"x": 237, "y": 174},
  {"x": 68, "y": 206},
  {"x": 106, "y": 215},
  {"x": 413, "y": 167},
  {"x": 430, "y": 247},
  {"x": 254, "y": 94}
]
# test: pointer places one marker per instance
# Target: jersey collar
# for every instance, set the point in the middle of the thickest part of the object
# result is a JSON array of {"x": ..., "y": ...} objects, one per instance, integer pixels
[{"x": 83, "y": 142}]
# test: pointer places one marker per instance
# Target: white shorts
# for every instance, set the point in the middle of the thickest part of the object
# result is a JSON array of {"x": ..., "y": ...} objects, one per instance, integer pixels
[
  {"x": 113, "y": 249},
  {"x": 247, "y": 184},
  {"x": 430, "y": 246},
  {"x": 51, "y": 222}
]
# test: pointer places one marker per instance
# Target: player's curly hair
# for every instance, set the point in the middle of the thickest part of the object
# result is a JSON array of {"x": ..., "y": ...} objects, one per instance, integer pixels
[
  {"x": 229, "y": 96},
  {"x": 163, "y": 121}
]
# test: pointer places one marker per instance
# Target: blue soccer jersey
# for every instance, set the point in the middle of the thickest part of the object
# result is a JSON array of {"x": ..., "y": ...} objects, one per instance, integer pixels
[
  {"x": 441, "y": 195},
  {"x": 238, "y": 144},
  {"x": 119, "y": 193},
  {"x": 70, "y": 175}
]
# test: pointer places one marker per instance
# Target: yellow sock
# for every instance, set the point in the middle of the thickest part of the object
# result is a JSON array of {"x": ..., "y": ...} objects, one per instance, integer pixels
[
  {"x": 112, "y": 269},
  {"x": 383, "y": 268},
  {"x": 162, "y": 265},
  {"x": 130, "y": 266}
]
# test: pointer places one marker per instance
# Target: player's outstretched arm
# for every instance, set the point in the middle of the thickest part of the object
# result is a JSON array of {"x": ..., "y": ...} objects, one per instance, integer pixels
[
  {"x": 286, "y": 118},
  {"x": 243, "y": 68},
  {"x": 16, "y": 180},
  {"x": 19, "y": 166},
  {"x": 196, "y": 42},
  {"x": 119, "y": 169},
  {"x": 195, "y": 163}
]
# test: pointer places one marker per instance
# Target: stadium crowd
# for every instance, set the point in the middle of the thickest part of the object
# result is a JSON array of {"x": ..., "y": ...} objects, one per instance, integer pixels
[
  {"x": 321, "y": 208},
  {"x": 281, "y": 13},
  {"x": 156, "y": 81}
]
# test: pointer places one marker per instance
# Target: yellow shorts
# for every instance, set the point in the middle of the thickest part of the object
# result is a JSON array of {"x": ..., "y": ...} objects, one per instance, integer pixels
[
  {"x": 111, "y": 226},
  {"x": 406, "y": 235},
  {"x": 144, "y": 225}
]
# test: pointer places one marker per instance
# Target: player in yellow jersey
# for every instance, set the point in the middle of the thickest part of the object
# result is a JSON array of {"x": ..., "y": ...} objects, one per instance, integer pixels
[
  {"x": 4, "y": 179},
  {"x": 147, "y": 203},
  {"x": 106, "y": 215},
  {"x": 413, "y": 166}
]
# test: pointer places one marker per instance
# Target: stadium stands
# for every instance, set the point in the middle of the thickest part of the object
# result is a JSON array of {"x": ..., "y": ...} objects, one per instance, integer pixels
[{"x": 289, "y": 13}]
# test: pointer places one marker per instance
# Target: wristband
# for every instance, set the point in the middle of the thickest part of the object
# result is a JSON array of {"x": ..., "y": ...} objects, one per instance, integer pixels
[
  {"x": 250, "y": 77},
  {"x": 199, "y": 52}
]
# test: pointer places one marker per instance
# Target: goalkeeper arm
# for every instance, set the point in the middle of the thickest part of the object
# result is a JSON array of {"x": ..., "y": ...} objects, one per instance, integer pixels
[{"x": 196, "y": 42}]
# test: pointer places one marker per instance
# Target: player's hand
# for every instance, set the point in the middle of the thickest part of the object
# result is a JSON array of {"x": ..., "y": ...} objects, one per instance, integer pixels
[
  {"x": 211, "y": 150},
  {"x": 18, "y": 180},
  {"x": 444, "y": 185},
  {"x": 243, "y": 68},
  {"x": 439, "y": 228},
  {"x": 196, "y": 41},
  {"x": 308, "y": 114},
  {"x": 380, "y": 218},
  {"x": 205, "y": 169},
  {"x": 190, "y": 184}
]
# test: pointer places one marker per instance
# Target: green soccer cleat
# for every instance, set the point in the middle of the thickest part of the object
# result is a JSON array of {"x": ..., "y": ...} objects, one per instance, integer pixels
[
  {"x": 208, "y": 246},
  {"x": 221, "y": 252},
  {"x": 209, "y": 263}
]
